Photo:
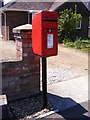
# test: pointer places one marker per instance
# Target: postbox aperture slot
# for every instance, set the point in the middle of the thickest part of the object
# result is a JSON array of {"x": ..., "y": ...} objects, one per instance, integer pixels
[{"x": 49, "y": 20}]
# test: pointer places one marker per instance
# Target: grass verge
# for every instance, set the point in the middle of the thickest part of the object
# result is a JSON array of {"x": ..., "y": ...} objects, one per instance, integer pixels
[{"x": 81, "y": 44}]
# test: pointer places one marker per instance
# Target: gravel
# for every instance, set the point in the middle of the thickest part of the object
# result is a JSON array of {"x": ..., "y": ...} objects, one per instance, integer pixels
[
  {"x": 29, "y": 107},
  {"x": 58, "y": 74}
]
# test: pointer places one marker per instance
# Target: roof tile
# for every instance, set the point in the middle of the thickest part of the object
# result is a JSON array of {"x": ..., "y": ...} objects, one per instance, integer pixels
[{"x": 29, "y": 5}]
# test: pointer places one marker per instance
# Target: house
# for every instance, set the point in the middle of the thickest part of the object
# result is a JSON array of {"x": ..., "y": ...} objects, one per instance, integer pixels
[
  {"x": 83, "y": 8},
  {"x": 1, "y": 5},
  {"x": 18, "y": 12}
]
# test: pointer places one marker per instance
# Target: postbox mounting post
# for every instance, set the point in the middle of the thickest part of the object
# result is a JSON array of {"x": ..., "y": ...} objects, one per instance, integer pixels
[
  {"x": 44, "y": 81},
  {"x": 45, "y": 30}
]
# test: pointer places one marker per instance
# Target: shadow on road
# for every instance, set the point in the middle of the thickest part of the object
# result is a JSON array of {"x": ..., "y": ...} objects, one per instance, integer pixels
[{"x": 68, "y": 108}]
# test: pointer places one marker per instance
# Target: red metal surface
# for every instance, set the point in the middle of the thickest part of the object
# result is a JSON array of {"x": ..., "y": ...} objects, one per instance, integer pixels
[{"x": 44, "y": 24}]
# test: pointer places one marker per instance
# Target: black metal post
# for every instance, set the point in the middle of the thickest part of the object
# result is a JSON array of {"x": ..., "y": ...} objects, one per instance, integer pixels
[{"x": 44, "y": 81}]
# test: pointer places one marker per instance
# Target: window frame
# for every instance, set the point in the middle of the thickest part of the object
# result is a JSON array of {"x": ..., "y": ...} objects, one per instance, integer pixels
[
  {"x": 30, "y": 17},
  {"x": 80, "y": 25}
]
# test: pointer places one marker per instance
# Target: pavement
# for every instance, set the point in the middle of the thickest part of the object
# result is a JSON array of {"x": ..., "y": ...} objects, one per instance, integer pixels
[
  {"x": 78, "y": 112},
  {"x": 71, "y": 98}
]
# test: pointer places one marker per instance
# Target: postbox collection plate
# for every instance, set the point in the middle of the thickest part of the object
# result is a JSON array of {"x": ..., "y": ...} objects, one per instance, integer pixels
[{"x": 49, "y": 41}]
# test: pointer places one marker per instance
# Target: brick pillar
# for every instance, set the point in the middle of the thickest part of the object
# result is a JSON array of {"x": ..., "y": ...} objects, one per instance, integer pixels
[
  {"x": 24, "y": 44},
  {"x": 27, "y": 54},
  {"x": 31, "y": 65},
  {"x": 27, "y": 45}
]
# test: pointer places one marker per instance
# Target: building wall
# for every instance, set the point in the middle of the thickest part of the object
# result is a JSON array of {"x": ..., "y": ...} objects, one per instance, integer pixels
[
  {"x": 21, "y": 78},
  {"x": 83, "y": 32},
  {"x": 89, "y": 28},
  {"x": 15, "y": 19},
  {"x": 3, "y": 32}
]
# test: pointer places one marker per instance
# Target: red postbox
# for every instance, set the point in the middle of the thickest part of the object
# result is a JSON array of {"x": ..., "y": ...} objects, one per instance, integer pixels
[{"x": 45, "y": 33}]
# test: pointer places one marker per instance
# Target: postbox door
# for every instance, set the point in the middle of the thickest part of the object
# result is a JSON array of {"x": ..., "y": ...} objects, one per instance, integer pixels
[{"x": 50, "y": 42}]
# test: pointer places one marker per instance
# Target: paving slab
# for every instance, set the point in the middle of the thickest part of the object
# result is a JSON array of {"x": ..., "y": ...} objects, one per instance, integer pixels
[
  {"x": 78, "y": 112},
  {"x": 64, "y": 95}
]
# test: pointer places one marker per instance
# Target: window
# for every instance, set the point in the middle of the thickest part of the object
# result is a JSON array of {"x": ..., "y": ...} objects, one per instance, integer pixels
[
  {"x": 30, "y": 17},
  {"x": 78, "y": 26},
  {"x": 89, "y": 22}
]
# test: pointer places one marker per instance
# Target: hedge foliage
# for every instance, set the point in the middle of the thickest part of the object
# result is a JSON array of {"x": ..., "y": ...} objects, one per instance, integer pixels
[{"x": 67, "y": 23}]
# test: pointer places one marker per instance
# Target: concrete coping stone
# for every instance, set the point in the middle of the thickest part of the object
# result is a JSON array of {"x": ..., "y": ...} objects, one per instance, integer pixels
[{"x": 22, "y": 27}]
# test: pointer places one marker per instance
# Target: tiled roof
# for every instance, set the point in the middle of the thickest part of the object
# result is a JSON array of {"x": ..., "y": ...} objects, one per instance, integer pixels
[
  {"x": 38, "y": 4},
  {"x": 29, "y": 5},
  {"x": 87, "y": 5},
  {"x": 56, "y": 4}
]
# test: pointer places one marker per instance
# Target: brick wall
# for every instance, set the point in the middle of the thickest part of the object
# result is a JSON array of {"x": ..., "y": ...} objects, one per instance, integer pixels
[
  {"x": 14, "y": 19},
  {"x": 22, "y": 78},
  {"x": 3, "y": 32}
]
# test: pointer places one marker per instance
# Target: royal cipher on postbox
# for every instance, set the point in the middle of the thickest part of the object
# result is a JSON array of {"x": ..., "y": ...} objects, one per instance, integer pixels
[{"x": 45, "y": 33}]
